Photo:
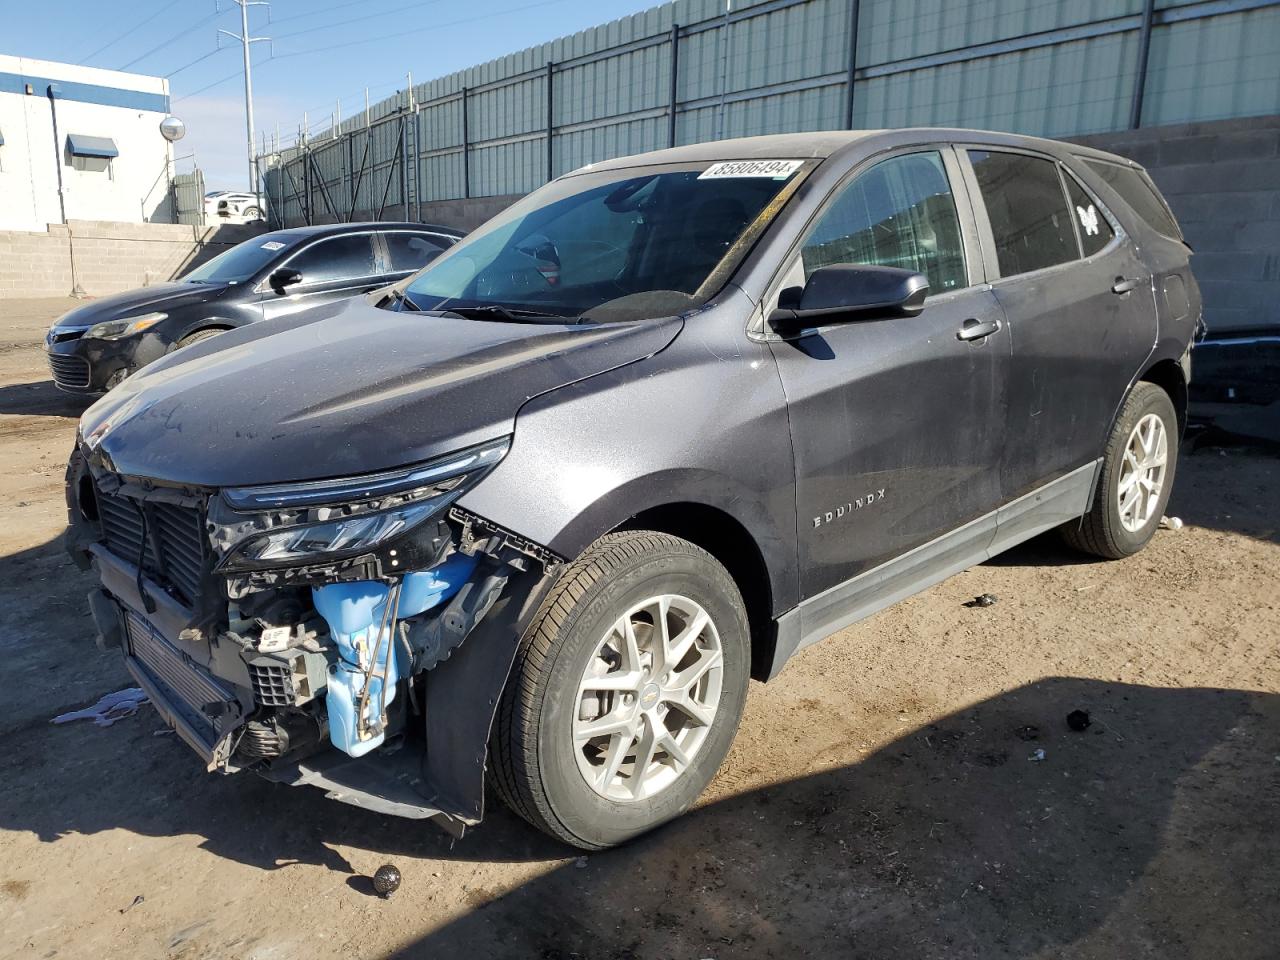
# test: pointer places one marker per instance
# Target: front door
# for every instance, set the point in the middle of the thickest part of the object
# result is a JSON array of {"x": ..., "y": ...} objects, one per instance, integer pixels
[
  {"x": 896, "y": 424},
  {"x": 332, "y": 269}
]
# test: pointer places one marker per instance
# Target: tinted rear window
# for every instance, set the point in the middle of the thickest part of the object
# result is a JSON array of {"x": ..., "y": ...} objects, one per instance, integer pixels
[
  {"x": 1139, "y": 193},
  {"x": 1095, "y": 232},
  {"x": 1027, "y": 210}
]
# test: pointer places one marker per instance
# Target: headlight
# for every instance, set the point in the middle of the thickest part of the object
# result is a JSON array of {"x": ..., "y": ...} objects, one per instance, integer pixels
[
  {"x": 115, "y": 329},
  {"x": 352, "y": 535},
  {"x": 331, "y": 518}
]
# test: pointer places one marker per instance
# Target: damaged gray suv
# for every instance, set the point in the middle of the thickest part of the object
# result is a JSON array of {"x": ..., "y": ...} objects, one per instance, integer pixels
[{"x": 532, "y": 518}]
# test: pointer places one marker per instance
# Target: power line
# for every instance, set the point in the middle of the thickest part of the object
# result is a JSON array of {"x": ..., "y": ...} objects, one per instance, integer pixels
[
  {"x": 312, "y": 13},
  {"x": 185, "y": 66},
  {"x": 372, "y": 16},
  {"x": 177, "y": 36},
  {"x": 426, "y": 29},
  {"x": 231, "y": 76},
  {"x": 131, "y": 30}
]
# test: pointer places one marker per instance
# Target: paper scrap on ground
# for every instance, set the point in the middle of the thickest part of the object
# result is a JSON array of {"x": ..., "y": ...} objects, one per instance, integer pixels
[{"x": 112, "y": 707}]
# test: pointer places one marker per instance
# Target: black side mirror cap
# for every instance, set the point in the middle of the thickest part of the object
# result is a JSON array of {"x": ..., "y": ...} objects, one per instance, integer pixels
[
  {"x": 284, "y": 277},
  {"x": 847, "y": 292}
]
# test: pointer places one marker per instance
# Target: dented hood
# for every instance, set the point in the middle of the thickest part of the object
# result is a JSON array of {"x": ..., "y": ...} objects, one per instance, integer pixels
[{"x": 343, "y": 389}]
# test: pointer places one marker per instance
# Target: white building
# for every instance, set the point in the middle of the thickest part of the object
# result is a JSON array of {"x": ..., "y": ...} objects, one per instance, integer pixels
[{"x": 80, "y": 143}]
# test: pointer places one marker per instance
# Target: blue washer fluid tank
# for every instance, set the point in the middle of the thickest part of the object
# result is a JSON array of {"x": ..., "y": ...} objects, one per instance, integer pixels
[{"x": 354, "y": 611}]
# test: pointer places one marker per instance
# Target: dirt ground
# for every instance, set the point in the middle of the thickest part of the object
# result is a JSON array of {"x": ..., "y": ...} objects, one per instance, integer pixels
[{"x": 881, "y": 800}]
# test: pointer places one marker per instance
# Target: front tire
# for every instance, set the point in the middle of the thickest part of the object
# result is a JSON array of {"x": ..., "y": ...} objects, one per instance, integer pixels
[
  {"x": 1136, "y": 480},
  {"x": 626, "y": 691},
  {"x": 199, "y": 335}
]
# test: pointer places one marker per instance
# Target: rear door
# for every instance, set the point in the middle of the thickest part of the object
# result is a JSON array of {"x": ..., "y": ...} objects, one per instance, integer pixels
[
  {"x": 408, "y": 251},
  {"x": 332, "y": 268},
  {"x": 1079, "y": 306},
  {"x": 896, "y": 424}
]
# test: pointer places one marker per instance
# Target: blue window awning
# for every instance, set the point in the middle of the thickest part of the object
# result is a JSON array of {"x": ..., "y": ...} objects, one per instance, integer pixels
[{"x": 82, "y": 145}]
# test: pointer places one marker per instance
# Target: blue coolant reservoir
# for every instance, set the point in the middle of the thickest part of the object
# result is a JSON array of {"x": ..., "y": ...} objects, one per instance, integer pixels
[{"x": 354, "y": 611}]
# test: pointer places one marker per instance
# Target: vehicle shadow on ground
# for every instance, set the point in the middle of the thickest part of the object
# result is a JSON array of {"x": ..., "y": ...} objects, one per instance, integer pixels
[
  {"x": 1230, "y": 489},
  {"x": 41, "y": 399},
  {"x": 949, "y": 841}
]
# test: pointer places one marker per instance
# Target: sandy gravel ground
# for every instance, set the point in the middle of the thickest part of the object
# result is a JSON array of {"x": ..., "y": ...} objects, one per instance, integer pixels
[{"x": 881, "y": 800}]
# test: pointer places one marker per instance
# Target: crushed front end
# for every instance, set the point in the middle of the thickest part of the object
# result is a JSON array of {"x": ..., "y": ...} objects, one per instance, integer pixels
[{"x": 308, "y": 631}]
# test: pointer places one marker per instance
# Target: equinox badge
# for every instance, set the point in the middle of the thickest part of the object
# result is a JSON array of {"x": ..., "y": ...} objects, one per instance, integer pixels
[{"x": 872, "y": 496}]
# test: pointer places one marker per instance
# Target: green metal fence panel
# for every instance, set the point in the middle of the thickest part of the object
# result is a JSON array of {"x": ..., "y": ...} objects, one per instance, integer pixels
[
  {"x": 697, "y": 70},
  {"x": 1212, "y": 69}
]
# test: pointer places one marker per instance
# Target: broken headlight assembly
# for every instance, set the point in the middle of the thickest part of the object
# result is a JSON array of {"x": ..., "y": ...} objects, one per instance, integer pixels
[{"x": 316, "y": 520}]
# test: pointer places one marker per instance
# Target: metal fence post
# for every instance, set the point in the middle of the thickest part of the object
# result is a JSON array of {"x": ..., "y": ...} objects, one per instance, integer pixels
[
  {"x": 551, "y": 165},
  {"x": 675, "y": 87},
  {"x": 404, "y": 165},
  {"x": 466, "y": 150},
  {"x": 1140, "y": 73},
  {"x": 853, "y": 64}
]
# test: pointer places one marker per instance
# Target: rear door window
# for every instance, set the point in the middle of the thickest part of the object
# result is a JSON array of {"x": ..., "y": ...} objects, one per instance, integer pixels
[
  {"x": 1027, "y": 209},
  {"x": 1095, "y": 231},
  {"x": 348, "y": 257},
  {"x": 412, "y": 251},
  {"x": 900, "y": 213},
  {"x": 1138, "y": 192}
]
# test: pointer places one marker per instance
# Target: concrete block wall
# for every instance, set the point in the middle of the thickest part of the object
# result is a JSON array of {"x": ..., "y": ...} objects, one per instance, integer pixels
[
  {"x": 104, "y": 257},
  {"x": 1222, "y": 179}
]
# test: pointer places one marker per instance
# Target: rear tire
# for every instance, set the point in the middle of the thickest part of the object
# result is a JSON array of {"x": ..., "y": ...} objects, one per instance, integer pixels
[
  {"x": 597, "y": 658},
  {"x": 1136, "y": 479}
]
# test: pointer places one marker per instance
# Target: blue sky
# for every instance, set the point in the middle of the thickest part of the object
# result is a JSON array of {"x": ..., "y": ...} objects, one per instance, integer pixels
[{"x": 177, "y": 38}]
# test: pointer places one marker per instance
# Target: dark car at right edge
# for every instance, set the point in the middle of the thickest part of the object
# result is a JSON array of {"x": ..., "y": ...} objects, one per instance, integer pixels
[{"x": 528, "y": 522}]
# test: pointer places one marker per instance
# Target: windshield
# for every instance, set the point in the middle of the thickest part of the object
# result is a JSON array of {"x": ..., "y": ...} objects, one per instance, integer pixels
[
  {"x": 616, "y": 245},
  {"x": 242, "y": 261}
]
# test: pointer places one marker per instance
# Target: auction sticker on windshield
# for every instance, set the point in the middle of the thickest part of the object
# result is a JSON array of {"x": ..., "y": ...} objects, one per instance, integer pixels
[{"x": 772, "y": 169}]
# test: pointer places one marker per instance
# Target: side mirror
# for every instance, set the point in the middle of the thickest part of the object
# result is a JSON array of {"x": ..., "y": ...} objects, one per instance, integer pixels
[
  {"x": 845, "y": 292},
  {"x": 284, "y": 277}
]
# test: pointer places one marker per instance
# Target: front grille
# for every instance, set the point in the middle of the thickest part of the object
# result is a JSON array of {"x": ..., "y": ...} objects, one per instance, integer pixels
[
  {"x": 69, "y": 371},
  {"x": 177, "y": 531},
  {"x": 272, "y": 684},
  {"x": 187, "y": 687},
  {"x": 59, "y": 335}
]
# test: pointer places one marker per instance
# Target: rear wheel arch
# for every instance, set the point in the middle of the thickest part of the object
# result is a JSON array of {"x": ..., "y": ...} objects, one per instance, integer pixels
[{"x": 1168, "y": 376}]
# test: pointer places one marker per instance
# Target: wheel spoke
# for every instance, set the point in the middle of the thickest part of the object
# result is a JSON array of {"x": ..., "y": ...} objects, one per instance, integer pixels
[
  {"x": 687, "y": 679},
  {"x": 626, "y": 680},
  {"x": 699, "y": 714},
  {"x": 608, "y": 725},
  {"x": 646, "y": 747},
  {"x": 679, "y": 759},
  {"x": 686, "y": 638},
  {"x": 630, "y": 649},
  {"x": 619, "y": 747}
]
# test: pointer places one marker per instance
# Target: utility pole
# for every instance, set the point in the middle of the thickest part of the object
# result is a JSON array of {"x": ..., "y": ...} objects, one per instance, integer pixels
[{"x": 245, "y": 40}]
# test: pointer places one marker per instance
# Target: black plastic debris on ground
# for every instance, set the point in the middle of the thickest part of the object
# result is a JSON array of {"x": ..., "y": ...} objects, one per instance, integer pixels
[
  {"x": 983, "y": 600},
  {"x": 1078, "y": 720}
]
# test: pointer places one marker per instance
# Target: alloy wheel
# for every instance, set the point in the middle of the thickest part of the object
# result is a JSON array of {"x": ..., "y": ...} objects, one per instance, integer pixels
[
  {"x": 648, "y": 698},
  {"x": 1142, "y": 473}
]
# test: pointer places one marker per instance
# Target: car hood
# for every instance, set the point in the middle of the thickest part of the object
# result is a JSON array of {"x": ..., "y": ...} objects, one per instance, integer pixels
[
  {"x": 343, "y": 389},
  {"x": 161, "y": 296}
]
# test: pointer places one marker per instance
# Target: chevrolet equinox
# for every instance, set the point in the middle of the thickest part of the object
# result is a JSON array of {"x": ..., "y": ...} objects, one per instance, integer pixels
[{"x": 532, "y": 517}]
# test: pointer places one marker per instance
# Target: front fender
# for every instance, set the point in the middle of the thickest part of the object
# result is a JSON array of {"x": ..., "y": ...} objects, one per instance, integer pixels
[{"x": 703, "y": 422}]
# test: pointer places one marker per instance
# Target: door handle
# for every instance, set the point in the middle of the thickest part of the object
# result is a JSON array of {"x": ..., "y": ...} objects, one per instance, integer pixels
[
  {"x": 973, "y": 329},
  {"x": 1124, "y": 284}
]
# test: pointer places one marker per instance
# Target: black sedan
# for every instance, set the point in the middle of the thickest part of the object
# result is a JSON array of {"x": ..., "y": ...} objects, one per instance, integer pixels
[{"x": 95, "y": 346}]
